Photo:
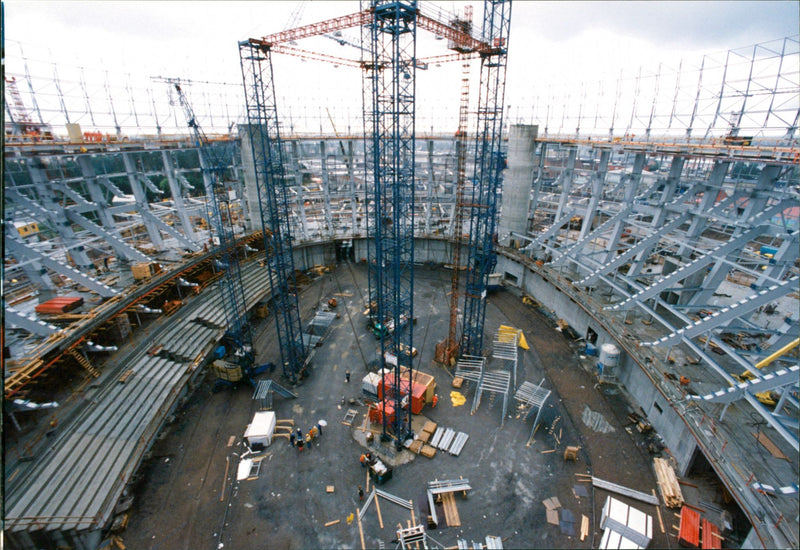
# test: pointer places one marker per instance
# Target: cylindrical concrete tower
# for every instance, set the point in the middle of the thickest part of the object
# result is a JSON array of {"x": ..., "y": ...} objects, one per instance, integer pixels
[{"x": 517, "y": 184}]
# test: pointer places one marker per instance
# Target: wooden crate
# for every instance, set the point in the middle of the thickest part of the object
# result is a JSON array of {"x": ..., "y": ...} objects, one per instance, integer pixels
[
  {"x": 429, "y": 427},
  {"x": 428, "y": 451},
  {"x": 416, "y": 446},
  {"x": 458, "y": 382}
]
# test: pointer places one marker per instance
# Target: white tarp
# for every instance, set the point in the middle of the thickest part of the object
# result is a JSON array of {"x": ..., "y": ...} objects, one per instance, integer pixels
[
  {"x": 261, "y": 428},
  {"x": 625, "y": 526}
]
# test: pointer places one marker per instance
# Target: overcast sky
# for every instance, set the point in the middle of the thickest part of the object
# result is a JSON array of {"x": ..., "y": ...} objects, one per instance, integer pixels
[{"x": 551, "y": 42}]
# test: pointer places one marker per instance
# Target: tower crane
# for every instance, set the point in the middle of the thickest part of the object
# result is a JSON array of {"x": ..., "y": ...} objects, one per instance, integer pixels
[
  {"x": 448, "y": 349},
  {"x": 269, "y": 164},
  {"x": 487, "y": 176},
  {"x": 390, "y": 152},
  {"x": 219, "y": 200}
]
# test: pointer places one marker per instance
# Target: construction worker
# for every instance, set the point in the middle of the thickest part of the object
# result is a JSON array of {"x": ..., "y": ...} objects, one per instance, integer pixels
[
  {"x": 363, "y": 460},
  {"x": 360, "y": 493},
  {"x": 291, "y": 439},
  {"x": 347, "y": 376}
]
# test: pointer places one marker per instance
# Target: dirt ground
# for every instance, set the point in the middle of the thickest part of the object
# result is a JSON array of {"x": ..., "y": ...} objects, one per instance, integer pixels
[{"x": 186, "y": 496}]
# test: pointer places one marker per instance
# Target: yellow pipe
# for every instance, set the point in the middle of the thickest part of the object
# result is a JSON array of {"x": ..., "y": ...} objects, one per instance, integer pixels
[{"x": 785, "y": 349}]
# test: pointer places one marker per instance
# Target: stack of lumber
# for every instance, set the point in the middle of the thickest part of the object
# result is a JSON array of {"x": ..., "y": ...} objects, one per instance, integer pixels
[
  {"x": 668, "y": 483},
  {"x": 450, "y": 510}
]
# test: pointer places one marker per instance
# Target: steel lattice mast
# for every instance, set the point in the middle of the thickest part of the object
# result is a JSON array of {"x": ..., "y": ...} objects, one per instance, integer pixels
[
  {"x": 391, "y": 74},
  {"x": 269, "y": 161},
  {"x": 219, "y": 202},
  {"x": 489, "y": 164},
  {"x": 451, "y": 344}
]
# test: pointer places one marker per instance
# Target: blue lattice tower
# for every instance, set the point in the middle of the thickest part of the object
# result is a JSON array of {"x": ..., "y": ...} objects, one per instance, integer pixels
[
  {"x": 487, "y": 177},
  {"x": 269, "y": 161},
  {"x": 391, "y": 74},
  {"x": 214, "y": 169}
]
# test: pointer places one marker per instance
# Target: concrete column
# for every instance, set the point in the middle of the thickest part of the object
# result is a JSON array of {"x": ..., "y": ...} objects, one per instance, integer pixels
[
  {"x": 566, "y": 181},
  {"x": 660, "y": 217},
  {"x": 517, "y": 181},
  {"x": 177, "y": 197},
  {"x": 431, "y": 191},
  {"x": 598, "y": 181},
  {"x": 537, "y": 184},
  {"x": 96, "y": 193},
  {"x": 328, "y": 230},
  {"x": 252, "y": 208},
  {"x": 141, "y": 202},
  {"x": 631, "y": 185},
  {"x": 56, "y": 215}
]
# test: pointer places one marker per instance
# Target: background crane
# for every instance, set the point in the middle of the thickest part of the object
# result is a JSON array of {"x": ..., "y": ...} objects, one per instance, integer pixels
[
  {"x": 489, "y": 164},
  {"x": 448, "y": 349},
  {"x": 219, "y": 199}
]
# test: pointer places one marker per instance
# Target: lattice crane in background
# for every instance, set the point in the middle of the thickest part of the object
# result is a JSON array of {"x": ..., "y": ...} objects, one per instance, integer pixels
[
  {"x": 448, "y": 349},
  {"x": 269, "y": 162},
  {"x": 219, "y": 197},
  {"x": 489, "y": 164}
]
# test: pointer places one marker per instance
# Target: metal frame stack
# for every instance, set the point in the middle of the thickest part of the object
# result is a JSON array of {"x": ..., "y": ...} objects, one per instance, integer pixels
[
  {"x": 505, "y": 347},
  {"x": 535, "y": 397},
  {"x": 318, "y": 328},
  {"x": 265, "y": 389},
  {"x": 470, "y": 367},
  {"x": 493, "y": 381}
]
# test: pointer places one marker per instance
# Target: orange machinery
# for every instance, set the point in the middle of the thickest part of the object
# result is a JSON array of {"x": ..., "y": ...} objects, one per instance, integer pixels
[{"x": 417, "y": 391}]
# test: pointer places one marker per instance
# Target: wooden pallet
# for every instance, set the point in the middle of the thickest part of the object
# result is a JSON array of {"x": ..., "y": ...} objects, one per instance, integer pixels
[{"x": 668, "y": 483}]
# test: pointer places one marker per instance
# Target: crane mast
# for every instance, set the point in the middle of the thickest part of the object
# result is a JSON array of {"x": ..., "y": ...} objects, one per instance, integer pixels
[
  {"x": 487, "y": 176},
  {"x": 269, "y": 162},
  {"x": 218, "y": 205},
  {"x": 390, "y": 74}
]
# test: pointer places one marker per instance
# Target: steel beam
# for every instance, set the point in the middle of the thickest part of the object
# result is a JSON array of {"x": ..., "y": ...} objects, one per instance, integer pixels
[
  {"x": 18, "y": 248},
  {"x": 729, "y": 313}
]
